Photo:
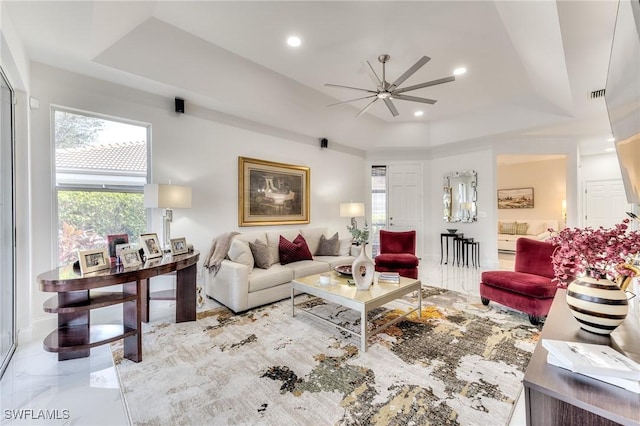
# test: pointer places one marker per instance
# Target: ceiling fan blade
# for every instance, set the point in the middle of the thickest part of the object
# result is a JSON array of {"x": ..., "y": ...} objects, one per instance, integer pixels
[
  {"x": 363, "y": 110},
  {"x": 373, "y": 75},
  {"x": 413, "y": 99},
  {"x": 391, "y": 107},
  {"x": 408, "y": 73},
  {"x": 427, "y": 84},
  {"x": 349, "y": 87},
  {"x": 351, "y": 100}
]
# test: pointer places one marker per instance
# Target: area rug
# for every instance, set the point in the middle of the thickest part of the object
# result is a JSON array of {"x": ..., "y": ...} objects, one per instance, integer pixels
[{"x": 461, "y": 363}]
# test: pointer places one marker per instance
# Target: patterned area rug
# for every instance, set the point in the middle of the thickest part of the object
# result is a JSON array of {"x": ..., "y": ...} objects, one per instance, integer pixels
[{"x": 461, "y": 363}]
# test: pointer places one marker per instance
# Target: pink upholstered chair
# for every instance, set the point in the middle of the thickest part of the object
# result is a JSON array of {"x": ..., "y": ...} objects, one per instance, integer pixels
[
  {"x": 529, "y": 288},
  {"x": 398, "y": 253}
]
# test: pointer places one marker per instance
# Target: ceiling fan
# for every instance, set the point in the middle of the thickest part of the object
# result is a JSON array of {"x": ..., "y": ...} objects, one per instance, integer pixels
[{"x": 390, "y": 91}]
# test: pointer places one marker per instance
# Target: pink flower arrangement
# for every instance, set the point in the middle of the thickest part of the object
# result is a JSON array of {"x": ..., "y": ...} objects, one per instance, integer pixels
[{"x": 598, "y": 252}]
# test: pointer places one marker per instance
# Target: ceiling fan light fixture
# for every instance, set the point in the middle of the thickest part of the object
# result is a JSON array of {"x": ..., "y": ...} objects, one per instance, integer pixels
[
  {"x": 459, "y": 71},
  {"x": 294, "y": 41},
  {"x": 390, "y": 91}
]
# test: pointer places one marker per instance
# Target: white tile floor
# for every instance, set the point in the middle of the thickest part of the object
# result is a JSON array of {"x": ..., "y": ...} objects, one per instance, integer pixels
[{"x": 37, "y": 389}]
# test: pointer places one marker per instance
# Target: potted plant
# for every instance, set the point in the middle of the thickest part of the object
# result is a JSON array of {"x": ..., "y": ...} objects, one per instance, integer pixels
[
  {"x": 600, "y": 258},
  {"x": 360, "y": 236},
  {"x": 597, "y": 252}
]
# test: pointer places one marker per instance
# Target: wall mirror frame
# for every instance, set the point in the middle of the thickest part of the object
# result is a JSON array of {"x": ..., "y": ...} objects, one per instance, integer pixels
[{"x": 460, "y": 194}]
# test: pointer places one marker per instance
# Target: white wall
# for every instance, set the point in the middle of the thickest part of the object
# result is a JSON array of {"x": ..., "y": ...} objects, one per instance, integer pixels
[
  {"x": 15, "y": 64},
  {"x": 192, "y": 149},
  {"x": 482, "y": 161}
]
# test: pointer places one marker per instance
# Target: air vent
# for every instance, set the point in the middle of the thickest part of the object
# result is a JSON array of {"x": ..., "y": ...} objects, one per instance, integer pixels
[{"x": 597, "y": 94}]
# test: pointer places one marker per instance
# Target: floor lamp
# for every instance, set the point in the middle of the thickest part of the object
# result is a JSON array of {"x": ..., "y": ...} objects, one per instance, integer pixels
[{"x": 168, "y": 197}]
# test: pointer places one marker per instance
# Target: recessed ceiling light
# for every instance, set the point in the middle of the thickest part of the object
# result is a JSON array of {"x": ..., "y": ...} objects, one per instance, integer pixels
[
  {"x": 418, "y": 113},
  {"x": 609, "y": 149},
  {"x": 459, "y": 71},
  {"x": 294, "y": 41},
  {"x": 611, "y": 140}
]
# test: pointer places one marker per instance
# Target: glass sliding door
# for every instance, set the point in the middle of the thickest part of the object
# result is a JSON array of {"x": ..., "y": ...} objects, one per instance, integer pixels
[{"x": 7, "y": 227}]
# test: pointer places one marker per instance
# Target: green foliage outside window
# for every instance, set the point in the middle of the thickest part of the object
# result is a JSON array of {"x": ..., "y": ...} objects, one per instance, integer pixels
[{"x": 85, "y": 218}]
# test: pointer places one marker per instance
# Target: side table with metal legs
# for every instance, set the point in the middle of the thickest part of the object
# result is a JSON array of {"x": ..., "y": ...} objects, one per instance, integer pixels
[{"x": 444, "y": 244}]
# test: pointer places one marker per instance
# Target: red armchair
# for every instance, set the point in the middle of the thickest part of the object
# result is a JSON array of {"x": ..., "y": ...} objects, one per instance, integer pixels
[
  {"x": 398, "y": 253},
  {"x": 529, "y": 288}
]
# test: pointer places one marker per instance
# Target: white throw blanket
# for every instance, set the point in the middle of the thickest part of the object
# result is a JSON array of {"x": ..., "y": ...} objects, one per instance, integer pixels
[{"x": 218, "y": 251}]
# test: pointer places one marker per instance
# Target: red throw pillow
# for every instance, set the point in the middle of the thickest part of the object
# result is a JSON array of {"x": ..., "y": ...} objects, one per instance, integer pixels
[{"x": 293, "y": 251}]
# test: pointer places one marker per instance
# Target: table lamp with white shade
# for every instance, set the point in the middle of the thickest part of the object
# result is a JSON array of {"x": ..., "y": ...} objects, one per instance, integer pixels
[
  {"x": 168, "y": 197},
  {"x": 352, "y": 210}
]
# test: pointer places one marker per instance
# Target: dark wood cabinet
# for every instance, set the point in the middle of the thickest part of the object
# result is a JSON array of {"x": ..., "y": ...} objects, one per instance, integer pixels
[
  {"x": 556, "y": 396},
  {"x": 78, "y": 294}
]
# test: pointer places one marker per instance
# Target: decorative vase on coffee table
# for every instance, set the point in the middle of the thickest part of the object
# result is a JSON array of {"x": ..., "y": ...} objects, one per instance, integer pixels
[
  {"x": 599, "y": 305},
  {"x": 363, "y": 282}
]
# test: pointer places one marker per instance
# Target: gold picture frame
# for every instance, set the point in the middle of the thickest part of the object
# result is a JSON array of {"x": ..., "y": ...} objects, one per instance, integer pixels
[{"x": 271, "y": 193}]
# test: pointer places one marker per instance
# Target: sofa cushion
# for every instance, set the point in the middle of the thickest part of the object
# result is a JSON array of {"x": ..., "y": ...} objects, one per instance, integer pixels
[
  {"x": 273, "y": 241},
  {"x": 304, "y": 268},
  {"x": 276, "y": 275},
  {"x": 508, "y": 228},
  {"x": 240, "y": 252},
  {"x": 397, "y": 260},
  {"x": 261, "y": 254},
  {"x": 334, "y": 261},
  {"x": 536, "y": 227},
  {"x": 521, "y": 228},
  {"x": 328, "y": 246},
  {"x": 312, "y": 237},
  {"x": 293, "y": 251},
  {"x": 345, "y": 246},
  {"x": 520, "y": 282}
]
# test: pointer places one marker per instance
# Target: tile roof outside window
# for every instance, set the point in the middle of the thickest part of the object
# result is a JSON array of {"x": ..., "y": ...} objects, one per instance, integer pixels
[{"x": 116, "y": 157}]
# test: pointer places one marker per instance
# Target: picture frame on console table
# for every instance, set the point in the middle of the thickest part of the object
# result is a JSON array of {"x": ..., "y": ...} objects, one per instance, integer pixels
[
  {"x": 93, "y": 260},
  {"x": 113, "y": 242},
  {"x": 516, "y": 198},
  {"x": 151, "y": 245},
  {"x": 179, "y": 246},
  {"x": 271, "y": 193},
  {"x": 130, "y": 258}
]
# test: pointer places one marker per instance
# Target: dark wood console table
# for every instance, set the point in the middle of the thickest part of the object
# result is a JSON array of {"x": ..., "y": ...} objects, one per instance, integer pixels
[
  {"x": 75, "y": 335},
  {"x": 555, "y": 396}
]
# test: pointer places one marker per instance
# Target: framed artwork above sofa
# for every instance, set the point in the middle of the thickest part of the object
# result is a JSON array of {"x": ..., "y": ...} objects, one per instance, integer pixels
[
  {"x": 517, "y": 198},
  {"x": 272, "y": 193}
]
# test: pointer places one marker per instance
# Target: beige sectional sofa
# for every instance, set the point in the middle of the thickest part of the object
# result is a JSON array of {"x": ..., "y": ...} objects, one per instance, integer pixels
[
  {"x": 535, "y": 229},
  {"x": 240, "y": 285}
]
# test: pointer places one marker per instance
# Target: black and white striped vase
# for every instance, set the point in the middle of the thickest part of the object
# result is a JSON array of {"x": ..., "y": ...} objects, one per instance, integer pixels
[{"x": 599, "y": 305}]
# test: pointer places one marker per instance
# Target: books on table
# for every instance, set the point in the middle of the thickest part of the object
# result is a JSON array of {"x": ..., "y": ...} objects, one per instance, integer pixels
[
  {"x": 600, "y": 362},
  {"x": 389, "y": 277}
]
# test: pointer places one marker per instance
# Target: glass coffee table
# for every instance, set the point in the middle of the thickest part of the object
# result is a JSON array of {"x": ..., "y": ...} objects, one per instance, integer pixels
[{"x": 341, "y": 293}]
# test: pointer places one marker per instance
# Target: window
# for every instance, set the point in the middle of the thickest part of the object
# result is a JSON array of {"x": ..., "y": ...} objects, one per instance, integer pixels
[
  {"x": 101, "y": 168},
  {"x": 378, "y": 205}
]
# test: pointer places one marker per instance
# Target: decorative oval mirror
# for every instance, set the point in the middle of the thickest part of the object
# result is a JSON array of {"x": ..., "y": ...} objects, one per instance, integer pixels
[{"x": 459, "y": 196}]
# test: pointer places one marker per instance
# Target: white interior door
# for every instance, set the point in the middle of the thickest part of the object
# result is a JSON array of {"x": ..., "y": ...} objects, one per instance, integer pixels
[
  {"x": 405, "y": 200},
  {"x": 605, "y": 203}
]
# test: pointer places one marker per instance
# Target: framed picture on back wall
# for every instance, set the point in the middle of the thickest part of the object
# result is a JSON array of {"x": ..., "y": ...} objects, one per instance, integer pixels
[
  {"x": 517, "y": 198},
  {"x": 272, "y": 193}
]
